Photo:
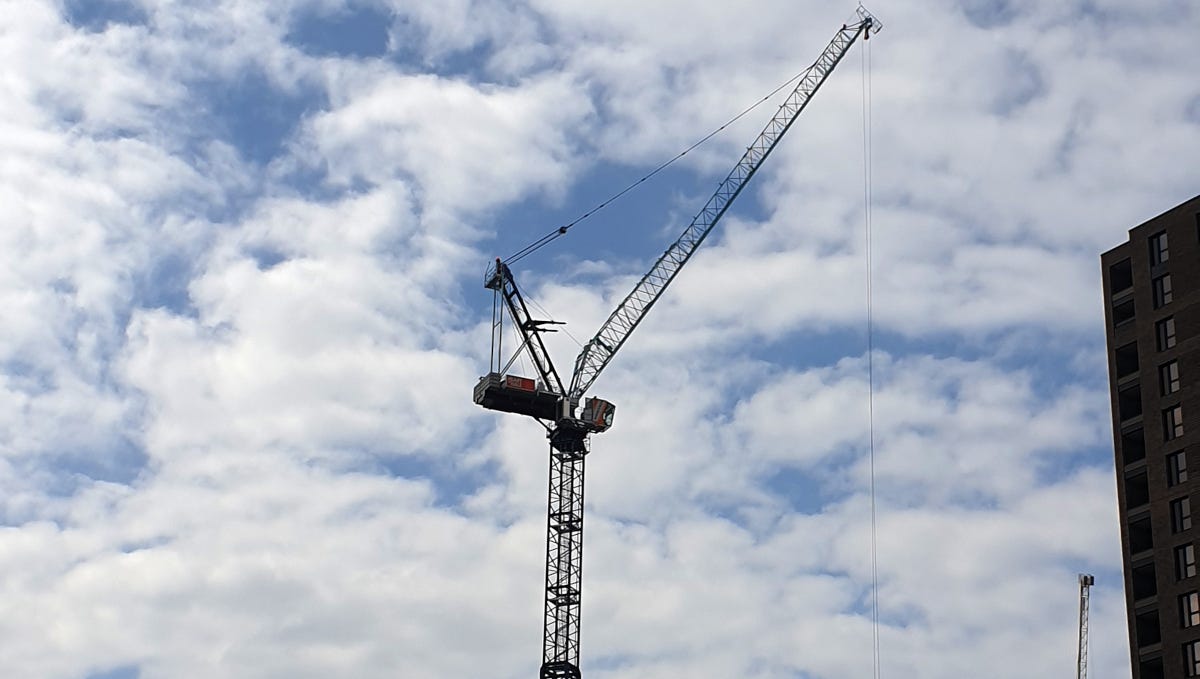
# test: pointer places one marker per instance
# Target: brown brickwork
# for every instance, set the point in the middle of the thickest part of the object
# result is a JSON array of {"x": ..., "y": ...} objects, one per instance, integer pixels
[{"x": 1156, "y": 594}]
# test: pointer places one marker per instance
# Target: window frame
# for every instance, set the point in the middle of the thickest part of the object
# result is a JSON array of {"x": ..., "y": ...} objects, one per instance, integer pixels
[
  {"x": 1176, "y": 468},
  {"x": 1159, "y": 251},
  {"x": 1172, "y": 419},
  {"x": 1168, "y": 378},
  {"x": 1189, "y": 609},
  {"x": 1191, "y": 658},
  {"x": 1185, "y": 561},
  {"x": 1164, "y": 333},
  {"x": 1163, "y": 292},
  {"x": 1181, "y": 514}
]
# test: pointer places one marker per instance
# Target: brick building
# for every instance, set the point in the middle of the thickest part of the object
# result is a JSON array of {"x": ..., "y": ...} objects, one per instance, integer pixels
[{"x": 1152, "y": 313}]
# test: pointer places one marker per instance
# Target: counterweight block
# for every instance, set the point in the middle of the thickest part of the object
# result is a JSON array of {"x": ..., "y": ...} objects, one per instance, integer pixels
[{"x": 520, "y": 395}]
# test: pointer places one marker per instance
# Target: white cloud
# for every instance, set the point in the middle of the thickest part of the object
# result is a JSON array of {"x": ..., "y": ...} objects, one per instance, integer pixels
[
  {"x": 467, "y": 148},
  {"x": 234, "y": 420}
]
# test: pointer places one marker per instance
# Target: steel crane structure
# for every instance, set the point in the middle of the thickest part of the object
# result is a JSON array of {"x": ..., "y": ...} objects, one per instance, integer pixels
[
  {"x": 556, "y": 405},
  {"x": 1085, "y": 588}
]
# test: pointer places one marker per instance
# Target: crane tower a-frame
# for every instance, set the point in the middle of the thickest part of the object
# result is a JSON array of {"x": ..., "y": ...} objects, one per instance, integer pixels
[{"x": 557, "y": 406}]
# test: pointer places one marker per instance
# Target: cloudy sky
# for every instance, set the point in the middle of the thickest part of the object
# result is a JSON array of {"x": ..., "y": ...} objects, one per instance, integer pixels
[{"x": 242, "y": 253}]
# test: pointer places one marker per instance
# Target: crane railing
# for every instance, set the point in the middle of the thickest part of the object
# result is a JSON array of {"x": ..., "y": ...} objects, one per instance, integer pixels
[{"x": 599, "y": 351}]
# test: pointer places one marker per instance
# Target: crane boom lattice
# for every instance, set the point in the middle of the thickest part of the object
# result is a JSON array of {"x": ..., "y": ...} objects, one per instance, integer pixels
[{"x": 629, "y": 313}]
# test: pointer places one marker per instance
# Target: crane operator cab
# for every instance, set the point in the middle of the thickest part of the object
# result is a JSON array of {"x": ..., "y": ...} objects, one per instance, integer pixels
[{"x": 597, "y": 414}]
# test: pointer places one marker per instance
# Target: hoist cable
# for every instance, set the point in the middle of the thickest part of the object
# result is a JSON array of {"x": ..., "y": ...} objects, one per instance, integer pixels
[
  {"x": 867, "y": 189},
  {"x": 562, "y": 230}
]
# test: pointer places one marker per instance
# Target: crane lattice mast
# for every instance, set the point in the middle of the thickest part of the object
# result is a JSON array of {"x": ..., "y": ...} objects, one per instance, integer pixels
[
  {"x": 1085, "y": 585},
  {"x": 555, "y": 407}
]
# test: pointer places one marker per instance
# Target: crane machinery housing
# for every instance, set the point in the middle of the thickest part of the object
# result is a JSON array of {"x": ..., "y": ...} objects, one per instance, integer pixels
[{"x": 556, "y": 405}]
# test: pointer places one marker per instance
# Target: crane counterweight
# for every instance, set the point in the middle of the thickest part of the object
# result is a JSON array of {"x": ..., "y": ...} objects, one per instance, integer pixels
[{"x": 518, "y": 395}]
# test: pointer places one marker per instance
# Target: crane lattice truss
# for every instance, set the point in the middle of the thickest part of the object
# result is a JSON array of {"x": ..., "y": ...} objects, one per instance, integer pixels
[
  {"x": 1085, "y": 588},
  {"x": 555, "y": 407}
]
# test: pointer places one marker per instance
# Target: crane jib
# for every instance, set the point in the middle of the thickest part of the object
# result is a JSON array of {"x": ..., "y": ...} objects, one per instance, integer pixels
[{"x": 599, "y": 351}]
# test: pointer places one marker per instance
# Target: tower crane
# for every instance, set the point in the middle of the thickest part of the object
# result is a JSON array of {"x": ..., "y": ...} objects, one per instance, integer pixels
[
  {"x": 556, "y": 405},
  {"x": 1085, "y": 587}
]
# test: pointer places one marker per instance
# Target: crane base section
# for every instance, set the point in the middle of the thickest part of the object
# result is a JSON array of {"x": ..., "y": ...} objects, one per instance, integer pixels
[{"x": 520, "y": 395}]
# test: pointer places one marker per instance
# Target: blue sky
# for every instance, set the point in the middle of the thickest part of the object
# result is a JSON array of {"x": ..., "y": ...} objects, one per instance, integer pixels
[{"x": 244, "y": 250}]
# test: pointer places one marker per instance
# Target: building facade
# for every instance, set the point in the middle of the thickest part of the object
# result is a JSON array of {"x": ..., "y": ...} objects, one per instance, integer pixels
[{"x": 1152, "y": 314}]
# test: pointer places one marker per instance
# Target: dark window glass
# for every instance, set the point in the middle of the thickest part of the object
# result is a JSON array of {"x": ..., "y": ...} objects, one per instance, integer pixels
[
  {"x": 1141, "y": 537},
  {"x": 1158, "y": 248},
  {"x": 1185, "y": 561},
  {"x": 1144, "y": 582},
  {"x": 1120, "y": 276},
  {"x": 1129, "y": 402},
  {"x": 1148, "y": 632},
  {"x": 1137, "y": 490},
  {"x": 1181, "y": 514},
  {"x": 1123, "y": 312},
  {"x": 1150, "y": 668},
  {"x": 1133, "y": 445},
  {"x": 1168, "y": 378},
  {"x": 1176, "y": 468},
  {"x": 1161, "y": 287},
  {"x": 1126, "y": 359},
  {"x": 1172, "y": 423}
]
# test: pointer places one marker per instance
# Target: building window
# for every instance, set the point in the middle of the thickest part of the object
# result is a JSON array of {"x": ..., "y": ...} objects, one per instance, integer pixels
[
  {"x": 1189, "y": 609},
  {"x": 1176, "y": 468},
  {"x": 1181, "y": 515},
  {"x": 1133, "y": 445},
  {"x": 1141, "y": 536},
  {"x": 1151, "y": 668},
  {"x": 1129, "y": 402},
  {"x": 1158, "y": 248},
  {"x": 1137, "y": 490},
  {"x": 1191, "y": 659},
  {"x": 1148, "y": 632},
  {"x": 1120, "y": 276},
  {"x": 1123, "y": 312},
  {"x": 1145, "y": 585},
  {"x": 1168, "y": 378},
  {"x": 1172, "y": 422},
  {"x": 1162, "y": 290},
  {"x": 1164, "y": 332},
  {"x": 1185, "y": 561},
  {"x": 1126, "y": 360}
]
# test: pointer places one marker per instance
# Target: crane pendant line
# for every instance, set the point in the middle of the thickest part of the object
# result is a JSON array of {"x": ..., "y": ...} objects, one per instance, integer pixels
[{"x": 555, "y": 407}]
